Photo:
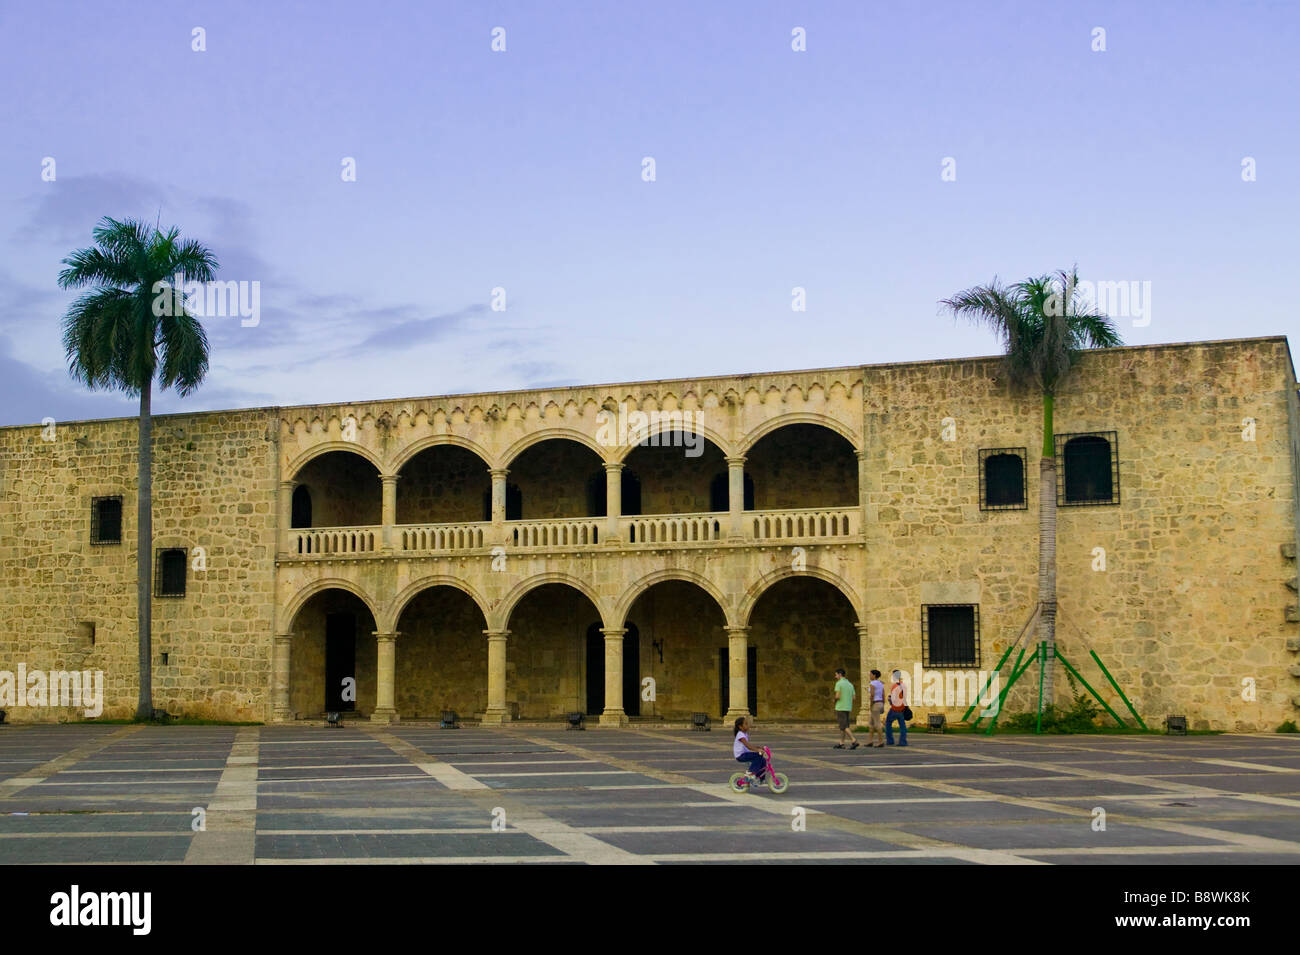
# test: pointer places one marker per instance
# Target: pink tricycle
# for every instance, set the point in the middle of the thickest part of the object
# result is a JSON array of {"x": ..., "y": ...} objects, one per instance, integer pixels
[{"x": 777, "y": 782}]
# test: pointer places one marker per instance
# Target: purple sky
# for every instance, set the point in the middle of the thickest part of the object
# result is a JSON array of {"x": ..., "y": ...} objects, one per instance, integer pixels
[{"x": 523, "y": 170}]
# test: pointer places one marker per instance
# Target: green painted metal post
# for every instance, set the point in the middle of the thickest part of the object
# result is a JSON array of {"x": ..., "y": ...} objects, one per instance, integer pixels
[
  {"x": 1079, "y": 676},
  {"x": 997, "y": 669},
  {"x": 1019, "y": 671},
  {"x": 1117, "y": 689},
  {"x": 1015, "y": 675},
  {"x": 1042, "y": 672}
]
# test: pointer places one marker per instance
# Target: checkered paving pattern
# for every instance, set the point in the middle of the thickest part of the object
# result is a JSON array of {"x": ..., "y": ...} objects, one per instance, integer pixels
[{"x": 309, "y": 794}]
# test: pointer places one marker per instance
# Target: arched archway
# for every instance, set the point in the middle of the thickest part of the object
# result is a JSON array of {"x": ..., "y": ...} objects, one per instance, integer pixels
[
  {"x": 801, "y": 628},
  {"x": 444, "y": 484},
  {"x": 546, "y": 668},
  {"x": 802, "y": 465},
  {"x": 681, "y": 637},
  {"x": 343, "y": 488},
  {"x": 551, "y": 478},
  {"x": 333, "y": 654},
  {"x": 441, "y": 654}
]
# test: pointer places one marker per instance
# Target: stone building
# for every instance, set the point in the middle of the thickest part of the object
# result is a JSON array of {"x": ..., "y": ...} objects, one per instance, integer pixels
[{"x": 523, "y": 555}]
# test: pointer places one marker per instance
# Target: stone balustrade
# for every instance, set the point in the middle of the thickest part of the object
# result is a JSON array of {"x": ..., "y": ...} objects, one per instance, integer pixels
[{"x": 645, "y": 530}]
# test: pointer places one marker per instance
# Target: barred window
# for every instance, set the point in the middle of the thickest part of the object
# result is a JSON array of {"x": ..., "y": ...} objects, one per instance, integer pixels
[
  {"x": 950, "y": 635},
  {"x": 1002, "y": 479},
  {"x": 1087, "y": 467},
  {"x": 106, "y": 520},
  {"x": 169, "y": 575}
]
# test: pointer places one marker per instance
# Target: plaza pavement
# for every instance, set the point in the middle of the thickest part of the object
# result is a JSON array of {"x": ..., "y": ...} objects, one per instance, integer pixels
[{"x": 308, "y": 794}]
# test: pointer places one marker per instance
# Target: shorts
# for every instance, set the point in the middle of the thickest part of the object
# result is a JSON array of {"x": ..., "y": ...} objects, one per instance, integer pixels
[
  {"x": 843, "y": 717},
  {"x": 877, "y": 714}
]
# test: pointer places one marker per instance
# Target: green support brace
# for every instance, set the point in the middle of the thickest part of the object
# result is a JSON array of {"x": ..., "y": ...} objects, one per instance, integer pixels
[
  {"x": 1097, "y": 696},
  {"x": 1117, "y": 689},
  {"x": 1017, "y": 672},
  {"x": 996, "y": 670},
  {"x": 1042, "y": 673}
]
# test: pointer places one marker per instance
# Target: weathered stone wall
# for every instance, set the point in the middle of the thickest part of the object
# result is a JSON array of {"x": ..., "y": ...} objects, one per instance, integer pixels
[
  {"x": 443, "y": 485},
  {"x": 214, "y": 489},
  {"x": 345, "y": 490},
  {"x": 441, "y": 656},
  {"x": 1191, "y": 608},
  {"x": 1192, "y": 601},
  {"x": 672, "y": 482},
  {"x": 803, "y": 466},
  {"x": 803, "y": 629}
]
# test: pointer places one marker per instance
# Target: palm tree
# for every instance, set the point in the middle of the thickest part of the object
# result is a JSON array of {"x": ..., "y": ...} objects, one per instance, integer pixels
[
  {"x": 130, "y": 327},
  {"x": 1044, "y": 325}
]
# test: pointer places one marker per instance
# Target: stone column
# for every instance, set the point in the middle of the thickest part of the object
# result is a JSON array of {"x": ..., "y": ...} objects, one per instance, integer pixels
[
  {"x": 499, "y": 504},
  {"x": 736, "y": 495},
  {"x": 496, "y": 708},
  {"x": 864, "y": 676},
  {"x": 613, "y": 501},
  {"x": 285, "y": 507},
  {"x": 280, "y": 663},
  {"x": 386, "y": 673},
  {"x": 389, "y": 511},
  {"x": 737, "y": 672},
  {"x": 613, "y": 714}
]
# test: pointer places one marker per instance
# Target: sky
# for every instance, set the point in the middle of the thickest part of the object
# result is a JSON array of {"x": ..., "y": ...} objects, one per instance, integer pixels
[{"x": 502, "y": 230}]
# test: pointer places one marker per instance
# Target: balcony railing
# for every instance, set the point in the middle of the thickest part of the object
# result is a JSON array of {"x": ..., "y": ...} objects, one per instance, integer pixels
[
  {"x": 674, "y": 528},
  {"x": 807, "y": 523},
  {"x": 643, "y": 530},
  {"x": 440, "y": 537},
  {"x": 557, "y": 533},
  {"x": 334, "y": 541}
]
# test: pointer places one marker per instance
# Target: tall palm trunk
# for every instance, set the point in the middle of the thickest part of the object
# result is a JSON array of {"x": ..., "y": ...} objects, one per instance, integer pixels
[
  {"x": 144, "y": 554},
  {"x": 1047, "y": 546}
]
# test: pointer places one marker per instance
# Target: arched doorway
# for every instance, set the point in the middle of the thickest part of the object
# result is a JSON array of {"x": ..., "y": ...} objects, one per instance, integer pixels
[
  {"x": 441, "y": 655},
  {"x": 801, "y": 629},
  {"x": 333, "y": 654}
]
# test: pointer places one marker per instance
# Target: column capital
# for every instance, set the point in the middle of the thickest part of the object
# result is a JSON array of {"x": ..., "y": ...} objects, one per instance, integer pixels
[
  {"x": 861, "y": 628},
  {"x": 735, "y": 460},
  {"x": 612, "y": 466},
  {"x": 288, "y": 484},
  {"x": 498, "y": 472},
  {"x": 861, "y": 454},
  {"x": 284, "y": 637},
  {"x": 496, "y": 634},
  {"x": 385, "y": 635},
  {"x": 390, "y": 478},
  {"x": 737, "y": 631},
  {"x": 610, "y": 632}
]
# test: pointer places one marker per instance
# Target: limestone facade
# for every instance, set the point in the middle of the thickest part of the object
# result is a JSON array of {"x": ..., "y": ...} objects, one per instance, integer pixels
[{"x": 525, "y": 555}]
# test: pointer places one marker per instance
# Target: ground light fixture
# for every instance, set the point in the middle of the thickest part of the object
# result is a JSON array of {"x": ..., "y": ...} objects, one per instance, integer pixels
[
  {"x": 938, "y": 722},
  {"x": 576, "y": 720},
  {"x": 700, "y": 721},
  {"x": 332, "y": 719},
  {"x": 448, "y": 721},
  {"x": 1176, "y": 725}
]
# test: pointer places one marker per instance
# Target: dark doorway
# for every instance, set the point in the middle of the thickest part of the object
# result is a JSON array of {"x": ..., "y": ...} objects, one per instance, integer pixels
[
  {"x": 301, "y": 516},
  {"x": 340, "y": 660},
  {"x": 632, "y": 671},
  {"x": 596, "y": 671},
  {"x": 724, "y": 680}
]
